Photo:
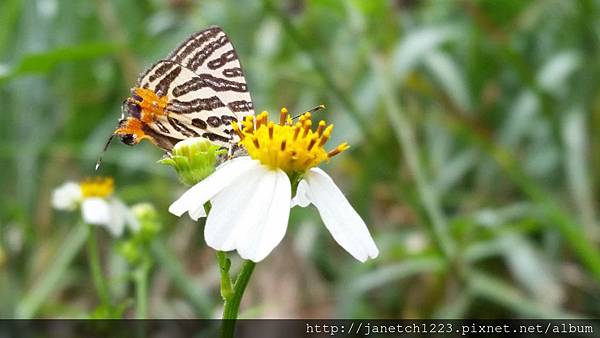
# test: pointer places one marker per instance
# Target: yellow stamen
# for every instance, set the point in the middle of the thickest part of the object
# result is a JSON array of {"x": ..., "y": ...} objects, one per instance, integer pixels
[
  {"x": 236, "y": 129},
  {"x": 342, "y": 147},
  {"x": 283, "y": 114},
  {"x": 306, "y": 126},
  {"x": 97, "y": 187},
  {"x": 312, "y": 142},
  {"x": 271, "y": 127},
  {"x": 322, "y": 125},
  {"x": 296, "y": 131},
  {"x": 261, "y": 119},
  {"x": 325, "y": 136},
  {"x": 291, "y": 147}
]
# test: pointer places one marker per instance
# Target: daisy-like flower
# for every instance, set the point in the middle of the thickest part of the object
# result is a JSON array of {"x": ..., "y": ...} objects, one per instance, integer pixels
[
  {"x": 251, "y": 195},
  {"x": 98, "y": 206}
]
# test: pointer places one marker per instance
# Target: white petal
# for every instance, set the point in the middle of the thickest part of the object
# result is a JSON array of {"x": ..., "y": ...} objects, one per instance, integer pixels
[
  {"x": 342, "y": 221},
  {"x": 116, "y": 224},
  {"x": 121, "y": 215},
  {"x": 193, "y": 200},
  {"x": 223, "y": 224},
  {"x": 95, "y": 211},
  {"x": 250, "y": 215},
  {"x": 301, "y": 198},
  {"x": 197, "y": 213},
  {"x": 112, "y": 214},
  {"x": 67, "y": 196},
  {"x": 270, "y": 223}
]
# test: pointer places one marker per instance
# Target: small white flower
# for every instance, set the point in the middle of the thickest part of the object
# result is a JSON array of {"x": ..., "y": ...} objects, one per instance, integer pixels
[
  {"x": 95, "y": 210},
  {"x": 98, "y": 206},
  {"x": 110, "y": 213},
  {"x": 251, "y": 195},
  {"x": 67, "y": 196}
]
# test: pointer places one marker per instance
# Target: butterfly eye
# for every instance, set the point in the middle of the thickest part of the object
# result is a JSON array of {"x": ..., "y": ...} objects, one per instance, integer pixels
[{"x": 128, "y": 139}]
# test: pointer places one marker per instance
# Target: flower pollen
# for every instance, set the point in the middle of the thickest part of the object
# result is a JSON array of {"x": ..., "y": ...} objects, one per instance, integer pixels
[
  {"x": 291, "y": 147},
  {"x": 97, "y": 187}
]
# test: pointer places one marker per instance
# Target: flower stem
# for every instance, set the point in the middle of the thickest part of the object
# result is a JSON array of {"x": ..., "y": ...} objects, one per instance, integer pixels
[
  {"x": 406, "y": 137},
  {"x": 224, "y": 265},
  {"x": 198, "y": 297},
  {"x": 231, "y": 294},
  {"x": 51, "y": 278},
  {"x": 140, "y": 277},
  {"x": 95, "y": 269},
  {"x": 232, "y": 305}
]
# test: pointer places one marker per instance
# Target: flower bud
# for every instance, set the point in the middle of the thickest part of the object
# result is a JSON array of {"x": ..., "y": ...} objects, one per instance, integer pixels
[
  {"x": 130, "y": 251},
  {"x": 194, "y": 159},
  {"x": 148, "y": 219}
]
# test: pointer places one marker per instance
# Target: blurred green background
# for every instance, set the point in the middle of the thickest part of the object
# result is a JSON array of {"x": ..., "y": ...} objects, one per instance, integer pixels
[{"x": 474, "y": 156}]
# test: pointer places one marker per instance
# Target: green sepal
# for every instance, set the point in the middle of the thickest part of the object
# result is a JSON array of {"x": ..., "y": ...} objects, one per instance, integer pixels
[{"x": 194, "y": 159}]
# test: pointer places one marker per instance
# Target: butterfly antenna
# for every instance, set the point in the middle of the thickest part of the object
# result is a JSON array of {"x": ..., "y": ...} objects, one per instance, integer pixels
[
  {"x": 103, "y": 151},
  {"x": 312, "y": 111}
]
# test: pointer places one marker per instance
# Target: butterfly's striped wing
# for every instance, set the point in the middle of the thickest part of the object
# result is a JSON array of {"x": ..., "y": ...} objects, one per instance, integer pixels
[{"x": 205, "y": 91}]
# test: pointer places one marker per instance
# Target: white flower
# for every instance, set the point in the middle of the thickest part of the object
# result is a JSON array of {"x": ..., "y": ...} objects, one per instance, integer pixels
[
  {"x": 67, "y": 196},
  {"x": 98, "y": 206},
  {"x": 110, "y": 213},
  {"x": 251, "y": 205},
  {"x": 251, "y": 196}
]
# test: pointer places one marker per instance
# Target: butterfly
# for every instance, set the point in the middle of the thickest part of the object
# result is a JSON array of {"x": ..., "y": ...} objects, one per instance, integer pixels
[{"x": 197, "y": 90}]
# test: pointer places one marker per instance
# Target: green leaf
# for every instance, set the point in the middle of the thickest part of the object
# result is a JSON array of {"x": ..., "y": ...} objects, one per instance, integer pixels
[{"x": 38, "y": 63}]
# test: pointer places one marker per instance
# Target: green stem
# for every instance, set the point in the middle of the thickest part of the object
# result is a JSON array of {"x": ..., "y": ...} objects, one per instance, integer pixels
[
  {"x": 406, "y": 137},
  {"x": 95, "y": 268},
  {"x": 231, "y": 294},
  {"x": 198, "y": 297},
  {"x": 232, "y": 305},
  {"x": 140, "y": 277},
  {"x": 51, "y": 278},
  {"x": 224, "y": 265}
]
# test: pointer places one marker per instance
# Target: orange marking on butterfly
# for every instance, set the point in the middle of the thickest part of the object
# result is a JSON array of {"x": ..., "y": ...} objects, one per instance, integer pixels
[
  {"x": 151, "y": 104},
  {"x": 132, "y": 126}
]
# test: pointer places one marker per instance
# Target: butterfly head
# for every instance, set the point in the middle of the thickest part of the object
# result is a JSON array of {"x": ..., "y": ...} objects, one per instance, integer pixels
[
  {"x": 130, "y": 131},
  {"x": 129, "y": 139}
]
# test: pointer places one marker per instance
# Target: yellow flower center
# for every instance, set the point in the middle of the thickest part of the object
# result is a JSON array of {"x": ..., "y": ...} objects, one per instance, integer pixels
[
  {"x": 97, "y": 187},
  {"x": 291, "y": 147}
]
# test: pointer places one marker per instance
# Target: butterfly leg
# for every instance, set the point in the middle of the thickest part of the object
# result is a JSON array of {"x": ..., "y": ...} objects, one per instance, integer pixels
[{"x": 230, "y": 151}]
